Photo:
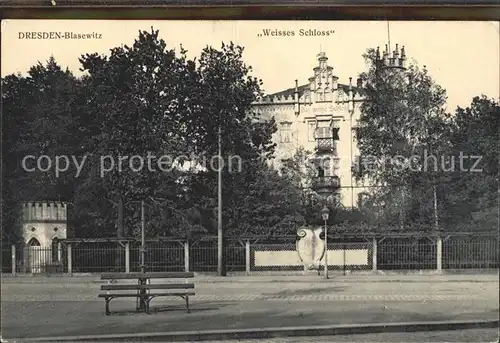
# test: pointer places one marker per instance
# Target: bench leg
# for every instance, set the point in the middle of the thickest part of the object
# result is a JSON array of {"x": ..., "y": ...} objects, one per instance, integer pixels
[
  {"x": 187, "y": 303},
  {"x": 143, "y": 300},
  {"x": 146, "y": 302},
  {"x": 107, "y": 306}
]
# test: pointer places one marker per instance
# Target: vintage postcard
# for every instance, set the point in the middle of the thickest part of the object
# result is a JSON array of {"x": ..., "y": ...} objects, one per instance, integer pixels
[{"x": 333, "y": 179}]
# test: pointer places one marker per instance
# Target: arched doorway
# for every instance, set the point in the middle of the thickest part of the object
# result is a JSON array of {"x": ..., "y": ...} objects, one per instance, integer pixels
[
  {"x": 33, "y": 242},
  {"x": 35, "y": 254}
]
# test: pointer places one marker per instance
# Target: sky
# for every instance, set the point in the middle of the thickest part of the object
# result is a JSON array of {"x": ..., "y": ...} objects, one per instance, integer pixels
[{"x": 462, "y": 57}]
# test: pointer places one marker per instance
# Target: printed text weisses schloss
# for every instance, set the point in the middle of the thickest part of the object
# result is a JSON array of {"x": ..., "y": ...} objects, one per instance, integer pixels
[{"x": 292, "y": 33}]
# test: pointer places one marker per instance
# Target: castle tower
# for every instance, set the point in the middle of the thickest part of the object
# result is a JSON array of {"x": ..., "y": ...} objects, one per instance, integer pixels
[
  {"x": 395, "y": 61},
  {"x": 44, "y": 225}
]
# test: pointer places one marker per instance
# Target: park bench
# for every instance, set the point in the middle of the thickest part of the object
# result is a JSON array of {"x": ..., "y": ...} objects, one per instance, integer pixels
[{"x": 144, "y": 290}]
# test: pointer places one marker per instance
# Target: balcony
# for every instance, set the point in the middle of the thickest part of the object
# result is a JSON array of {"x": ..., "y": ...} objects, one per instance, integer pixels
[
  {"x": 325, "y": 145},
  {"x": 325, "y": 185}
]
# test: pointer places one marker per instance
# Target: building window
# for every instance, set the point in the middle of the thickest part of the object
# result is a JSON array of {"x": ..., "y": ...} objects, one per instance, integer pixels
[
  {"x": 357, "y": 165},
  {"x": 336, "y": 133},
  {"x": 321, "y": 171},
  {"x": 286, "y": 133},
  {"x": 323, "y": 132},
  {"x": 356, "y": 133},
  {"x": 328, "y": 95},
  {"x": 320, "y": 95},
  {"x": 323, "y": 129},
  {"x": 311, "y": 130},
  {"x": 55, "y": 249}
]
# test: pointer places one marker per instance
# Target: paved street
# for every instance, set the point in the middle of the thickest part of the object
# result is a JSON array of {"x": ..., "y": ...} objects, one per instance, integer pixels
[
  {"x": 480, "y": 335},
  {"x": 72, "y": 308}
]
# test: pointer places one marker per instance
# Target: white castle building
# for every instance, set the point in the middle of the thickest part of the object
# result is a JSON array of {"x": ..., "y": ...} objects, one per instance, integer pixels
[
  {"x": 321, "y": 117},
  {"x": 44, "y": 224}
]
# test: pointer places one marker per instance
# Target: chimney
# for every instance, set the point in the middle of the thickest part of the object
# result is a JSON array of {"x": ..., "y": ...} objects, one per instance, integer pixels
[{"x": 359, "y": 83}]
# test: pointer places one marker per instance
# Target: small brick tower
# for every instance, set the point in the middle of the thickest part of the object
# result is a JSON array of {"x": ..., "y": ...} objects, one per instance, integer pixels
[{"x": 44, "y": 225}]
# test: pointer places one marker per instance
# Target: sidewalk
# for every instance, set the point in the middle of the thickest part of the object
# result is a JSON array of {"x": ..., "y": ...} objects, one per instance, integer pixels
[
  {"x": 365, "y": 277},
  {"x": 42, "y": 309}
]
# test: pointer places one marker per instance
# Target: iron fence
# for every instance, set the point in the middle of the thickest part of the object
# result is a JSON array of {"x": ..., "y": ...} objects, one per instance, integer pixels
[
  {"x": 406, "y": 253},
  {"x": 35, "y": 260},
  {"x": 159, "y": 256},
  {"x": 470, "y": 252},
  {"x": 204, "y": 256},
  {"x": 257, "y": 255},
  {"x": 6, "y": 259},
  {"x": 105, "y": 257}
]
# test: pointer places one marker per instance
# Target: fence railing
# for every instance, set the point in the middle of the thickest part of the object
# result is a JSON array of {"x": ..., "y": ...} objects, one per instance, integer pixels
[{"x": 381, "y": 253}]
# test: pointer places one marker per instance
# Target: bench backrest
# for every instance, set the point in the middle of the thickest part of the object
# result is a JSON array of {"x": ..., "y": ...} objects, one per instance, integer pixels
[{"x": 149, "y": 275}]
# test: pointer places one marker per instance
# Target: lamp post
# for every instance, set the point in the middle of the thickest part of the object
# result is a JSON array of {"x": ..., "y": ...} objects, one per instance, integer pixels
[
  {"x": 143, "y": 243},
  {"x": 325, "y": 213},
  {"x": 221, "y": 270}
]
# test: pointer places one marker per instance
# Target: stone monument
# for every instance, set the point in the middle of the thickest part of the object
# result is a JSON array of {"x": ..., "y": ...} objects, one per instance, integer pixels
[{"x": 310, "y": 248}]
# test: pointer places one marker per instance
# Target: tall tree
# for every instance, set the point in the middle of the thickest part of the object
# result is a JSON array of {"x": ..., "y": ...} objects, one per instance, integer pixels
[
  {"x": 227, "y": 91},
  {"x": 142, "y": 98},
  {"x": 41, "y": 112},
  {"x": 403, "y": 117},
  {"x": 471, "y": 197}
]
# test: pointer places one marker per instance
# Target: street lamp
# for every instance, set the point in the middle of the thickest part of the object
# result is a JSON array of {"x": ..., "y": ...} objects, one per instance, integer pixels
[{"x": 325, "y": 213}]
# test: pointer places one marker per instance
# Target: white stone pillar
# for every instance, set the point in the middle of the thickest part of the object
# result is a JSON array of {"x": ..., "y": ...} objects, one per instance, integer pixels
[
  {"x": 439, "y": 255},
  {"x": 374, "y": 255},
  {"x": 70, "y": 262},
  {"x": 127, "y": 257},
  {"x": 186, "y": 256},
  {"x": 247, "y": 257}
]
